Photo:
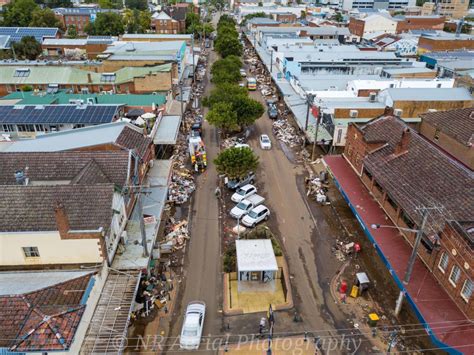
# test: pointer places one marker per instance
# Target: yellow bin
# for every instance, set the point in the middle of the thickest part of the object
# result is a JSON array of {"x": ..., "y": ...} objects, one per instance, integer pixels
[{"x": 373, "y": 319}]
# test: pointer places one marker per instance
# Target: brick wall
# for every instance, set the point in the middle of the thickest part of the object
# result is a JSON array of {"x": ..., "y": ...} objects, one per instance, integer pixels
[
  {"x": 420, "y": 23},
  {"x": 362, "y": 112},
  {"x": 166, "y": 26},
  {"x": 426, "y": 44},
  {"x": 455, "y": 247},
  {"x": 460, "y": 151},
  {"x": 356, "y": 27}
]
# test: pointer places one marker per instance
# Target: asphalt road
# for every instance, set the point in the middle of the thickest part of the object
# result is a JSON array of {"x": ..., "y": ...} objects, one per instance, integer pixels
[{"x": 202, "y": 274}]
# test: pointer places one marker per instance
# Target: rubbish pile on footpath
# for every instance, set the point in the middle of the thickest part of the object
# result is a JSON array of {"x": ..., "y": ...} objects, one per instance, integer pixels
[
  {"x": 286, "y": 133},
  {"x": 317, "y": 188},
  {"x": 176, "y": 235}
]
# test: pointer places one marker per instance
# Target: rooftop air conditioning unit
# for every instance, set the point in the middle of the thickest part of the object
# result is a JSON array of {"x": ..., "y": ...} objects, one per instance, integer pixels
[
  {"x": 353, "y": 113},
  {"x": 432, "y": 110},
  {"x": 372, "y": 96},
  {"x": 397, "y": 112}
]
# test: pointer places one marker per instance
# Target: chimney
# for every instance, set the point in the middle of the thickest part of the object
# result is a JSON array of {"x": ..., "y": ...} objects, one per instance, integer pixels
[
  {"x": 62, "y": 220},
  {"x": 388, "y": 111},
  {"x": 402, "y": 146}
]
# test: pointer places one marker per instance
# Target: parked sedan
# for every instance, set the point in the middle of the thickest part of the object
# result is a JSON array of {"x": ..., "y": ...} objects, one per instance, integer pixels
[
  {"x": 243, "y": 193},
  {"x": 243, "y": 73},
  {"x": 192, "y": 326},
  {"x": 265, "y": 142},
  {"x": 255, "y": 216}
]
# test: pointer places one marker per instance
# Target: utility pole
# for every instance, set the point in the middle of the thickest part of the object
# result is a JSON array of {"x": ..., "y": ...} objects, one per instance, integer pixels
[
  {"x": 181, "y": 98},
  {"x": 411, "y": 261},
  {"x": 192, "y": 53},
  {"x": 309, "y": 101},
  {"x": 142, "y": 222},
  {"x": 271, "y": 61},
  {"x": 316, "y": 136}
]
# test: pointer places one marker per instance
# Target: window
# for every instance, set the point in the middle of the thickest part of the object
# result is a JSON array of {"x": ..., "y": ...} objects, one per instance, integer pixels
[
  {"x": 443, "y": 262},
  {"x": 107, "y": 77},
  {"x": 21, "y": 73},
  {"x": 466, "y": 291},
  {"x": 31, "y": 252},
  {"x": 455, "y": 274}
]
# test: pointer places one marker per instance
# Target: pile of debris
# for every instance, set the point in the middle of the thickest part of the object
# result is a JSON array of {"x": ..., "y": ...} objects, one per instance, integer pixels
[
  {"x": 176, "y": 237},
  {"x": 232, "y": 142},
  {"x": 316, "y": 189},
  {"x": 286, "y": 133},
  {"x": 182, "y": 185}
]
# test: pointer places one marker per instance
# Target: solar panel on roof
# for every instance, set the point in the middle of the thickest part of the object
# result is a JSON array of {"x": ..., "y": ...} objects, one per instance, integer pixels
[{"x": 56, "y": 114}]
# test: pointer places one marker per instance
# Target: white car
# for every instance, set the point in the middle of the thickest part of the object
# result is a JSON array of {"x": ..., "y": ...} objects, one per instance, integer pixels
[
  {"x": 255, "y": 216},
  {"x": 192, "y": 326},
  {"x": 265, "y": 142},
  {"x": 243, "y": 193},
  {"x": 243, "y": 73}
]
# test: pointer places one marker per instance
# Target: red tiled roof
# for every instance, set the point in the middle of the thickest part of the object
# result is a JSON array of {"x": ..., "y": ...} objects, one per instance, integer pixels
[
  {"x": 458, "y": 124},
  {"x": 132, "y": 139},
  {"x": 423, "y": 176},
  {"x": 43, "y": 320}
]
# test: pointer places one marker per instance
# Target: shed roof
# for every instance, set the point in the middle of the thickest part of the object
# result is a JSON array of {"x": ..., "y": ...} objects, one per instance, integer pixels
[
  {"x": 255, "y": 255},
  {"x": 167, "y": 131}
]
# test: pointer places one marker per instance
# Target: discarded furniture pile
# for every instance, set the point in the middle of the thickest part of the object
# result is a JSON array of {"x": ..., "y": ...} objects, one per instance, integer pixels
[{"x": 286, "y": 133}]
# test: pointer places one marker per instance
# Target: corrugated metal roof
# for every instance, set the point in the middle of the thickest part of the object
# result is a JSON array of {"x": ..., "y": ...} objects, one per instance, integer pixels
[
  {"x": 437, "y": 94},
  {"x": 167, "y": 131}
]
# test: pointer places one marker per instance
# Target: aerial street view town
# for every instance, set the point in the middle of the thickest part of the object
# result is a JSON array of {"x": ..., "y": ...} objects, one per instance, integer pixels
[{"x": 248, "y": 177}]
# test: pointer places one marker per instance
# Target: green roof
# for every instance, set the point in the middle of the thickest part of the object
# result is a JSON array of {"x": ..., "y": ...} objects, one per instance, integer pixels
[
  {"x": 61, "y": 97},
  {"x": 39, "y": 74}
]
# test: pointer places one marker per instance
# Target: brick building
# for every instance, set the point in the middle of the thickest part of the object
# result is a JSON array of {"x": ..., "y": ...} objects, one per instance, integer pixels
[
  {"x": 453, "y": 8},
  {"x": 285, "y": 17},
  {"x": 135, "y": 80},
  {"x": 403, "y": 172},
  {"x": 80, "y": 17},
  {"x": 410, "y": 23},
  {"x": 452, "y": 131},
  {"x": 163, "y": 23},
  {"x": 443, "y": 41},
  {"x": 89, "y": 48}
]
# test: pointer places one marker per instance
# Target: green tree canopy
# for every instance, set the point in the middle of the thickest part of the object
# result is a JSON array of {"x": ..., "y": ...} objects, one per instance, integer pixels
[
  {"x": 54, "y": 3},
  {"x": 226, "y": 70},
  {"x": 45, "y": 18},
  {"x": 27, "y": 48},
  {"x": 227, "y": 45},
  {"x": 236, "y": 163},
  {"x": 106, "y": 24},
  {"x": 247, "y": 109},
  {"x": 136, "y": 4},
  {"x": 223, "y": 116},
  {"x": 251, "y": 16},
  {"x": 72, "y": 31},
  {"x": 19, "y": 13}
]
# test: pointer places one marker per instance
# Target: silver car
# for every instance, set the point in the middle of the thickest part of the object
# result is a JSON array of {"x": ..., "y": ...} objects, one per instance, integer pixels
[{"x": 192, "y": 326}]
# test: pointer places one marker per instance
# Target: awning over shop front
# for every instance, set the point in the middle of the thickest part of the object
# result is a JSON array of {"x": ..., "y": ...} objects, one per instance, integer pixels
[{"x": 167, "y": 132}]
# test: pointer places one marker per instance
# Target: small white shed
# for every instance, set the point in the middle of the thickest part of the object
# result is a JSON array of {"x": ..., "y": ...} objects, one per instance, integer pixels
[{"x": 256, "y": 262}]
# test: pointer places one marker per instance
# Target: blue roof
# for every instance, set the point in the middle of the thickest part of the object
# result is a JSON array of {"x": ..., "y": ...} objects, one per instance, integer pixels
[
  {"x": 58, "y": 114},
  {"x": 17, "y": 33}
]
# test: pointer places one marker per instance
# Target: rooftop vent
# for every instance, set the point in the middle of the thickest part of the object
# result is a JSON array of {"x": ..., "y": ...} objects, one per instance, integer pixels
[{"x": 372, "y": 96}]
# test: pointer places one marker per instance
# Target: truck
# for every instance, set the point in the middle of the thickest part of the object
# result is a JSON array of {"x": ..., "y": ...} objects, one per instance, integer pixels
[
  {"x": 197, "y": 153},
  {"x": 246, "y": 205}
]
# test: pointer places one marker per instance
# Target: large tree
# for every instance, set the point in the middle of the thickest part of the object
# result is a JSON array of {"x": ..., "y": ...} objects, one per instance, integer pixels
[
  {"x": 45, "y": 18},
  {"x": 246, "y": 108},
  {"x": 27, "y": 48},
  {"x": 106, "y": 24},
  {"x": 136, "y": 4},
  {"x": 236, "y": 163},
  {"x": 224, "y": 117},
  {"x": 228, "y": 45},
  {"x": 19, "y": 13},
  {"x": 226, "y": 70},
  {"x": 72, "y": 31}
]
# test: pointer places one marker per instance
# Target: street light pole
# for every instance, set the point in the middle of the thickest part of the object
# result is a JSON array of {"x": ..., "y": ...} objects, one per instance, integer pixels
[
  {"x": 411, "y": 261},
  {"x": 271, "y": 61}
]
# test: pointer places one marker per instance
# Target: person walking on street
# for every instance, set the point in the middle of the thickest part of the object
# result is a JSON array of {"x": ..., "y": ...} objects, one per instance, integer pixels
[{"x": 217, "y": 192}]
